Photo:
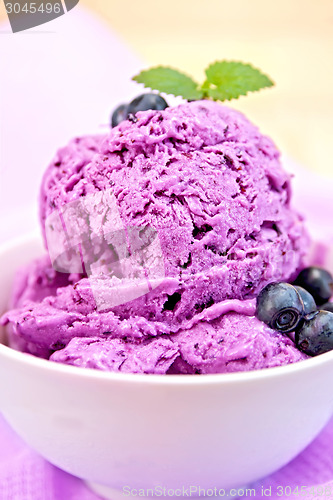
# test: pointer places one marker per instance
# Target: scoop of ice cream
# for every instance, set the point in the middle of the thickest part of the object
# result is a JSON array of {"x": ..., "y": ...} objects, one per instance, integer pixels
[
  {"x": 212, "y": 187},
  {"x": 214, "y": 343},
  {"x": 232, "y": 343},
  {"x": 65, "y": 327},
  {"x": 200, "y": 183}
]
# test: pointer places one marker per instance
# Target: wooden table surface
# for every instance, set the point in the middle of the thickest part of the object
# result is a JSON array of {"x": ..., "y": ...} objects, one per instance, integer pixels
[{"x": 291, "y": 40}]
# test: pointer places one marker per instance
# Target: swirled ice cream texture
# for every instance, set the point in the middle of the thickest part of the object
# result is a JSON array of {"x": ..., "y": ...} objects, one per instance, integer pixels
[{"x": 212, "y": 188}]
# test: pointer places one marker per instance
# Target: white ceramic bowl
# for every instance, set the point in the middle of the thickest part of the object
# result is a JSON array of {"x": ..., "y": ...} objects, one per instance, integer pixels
[{"x": 141, "y": 431}]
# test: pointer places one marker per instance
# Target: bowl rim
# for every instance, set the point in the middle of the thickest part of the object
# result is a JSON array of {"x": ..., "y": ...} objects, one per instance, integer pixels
[{"x": 61, "y": 369}]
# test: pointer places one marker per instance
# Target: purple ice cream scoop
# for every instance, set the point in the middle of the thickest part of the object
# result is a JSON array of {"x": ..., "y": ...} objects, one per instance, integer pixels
[{"x": 212, "y": 189}]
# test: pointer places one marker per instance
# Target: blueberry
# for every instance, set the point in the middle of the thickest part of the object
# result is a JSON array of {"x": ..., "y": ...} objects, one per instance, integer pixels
[
  {"x": 316, "y": 335},
  {"x": 327, "y": 307},
  {"x": 280, "y": 306},
  {"x": 308, "y": 301},
  {"x": 119, "y": 115},
  {"x": 146, "y": 101},
  {"x": 318, "y": 282}
]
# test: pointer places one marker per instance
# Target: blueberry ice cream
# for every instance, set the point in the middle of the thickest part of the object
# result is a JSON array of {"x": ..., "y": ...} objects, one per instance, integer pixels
[{"x": 213, "y": 189}]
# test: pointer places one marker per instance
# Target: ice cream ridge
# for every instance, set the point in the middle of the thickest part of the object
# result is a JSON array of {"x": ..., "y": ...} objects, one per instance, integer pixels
[{"x": 172, "y": 245}]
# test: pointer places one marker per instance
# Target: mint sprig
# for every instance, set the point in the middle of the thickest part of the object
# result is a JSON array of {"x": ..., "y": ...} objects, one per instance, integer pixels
[
  {"x": 170, "y": 81},
  {"x": 225, "y": 80},
  {"x": 228, "y": 80}
]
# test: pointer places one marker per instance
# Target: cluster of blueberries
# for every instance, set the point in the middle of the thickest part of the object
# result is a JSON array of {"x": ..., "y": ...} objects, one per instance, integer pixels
[
  {"x": 141, "y": 103},
  {"x": 302, "y": 308}
]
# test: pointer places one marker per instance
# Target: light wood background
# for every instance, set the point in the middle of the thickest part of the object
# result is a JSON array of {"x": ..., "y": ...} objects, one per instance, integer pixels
[{"x": 291, "y": 40}]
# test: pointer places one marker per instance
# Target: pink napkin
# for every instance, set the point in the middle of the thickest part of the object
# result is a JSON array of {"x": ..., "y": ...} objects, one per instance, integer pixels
[{"x": 24, "y": 475}]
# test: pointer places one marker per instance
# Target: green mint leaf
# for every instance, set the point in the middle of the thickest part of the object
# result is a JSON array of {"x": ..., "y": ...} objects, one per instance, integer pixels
[
  {"x": 170, "y": 81},
  {"x": 229, "y": 79}
]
